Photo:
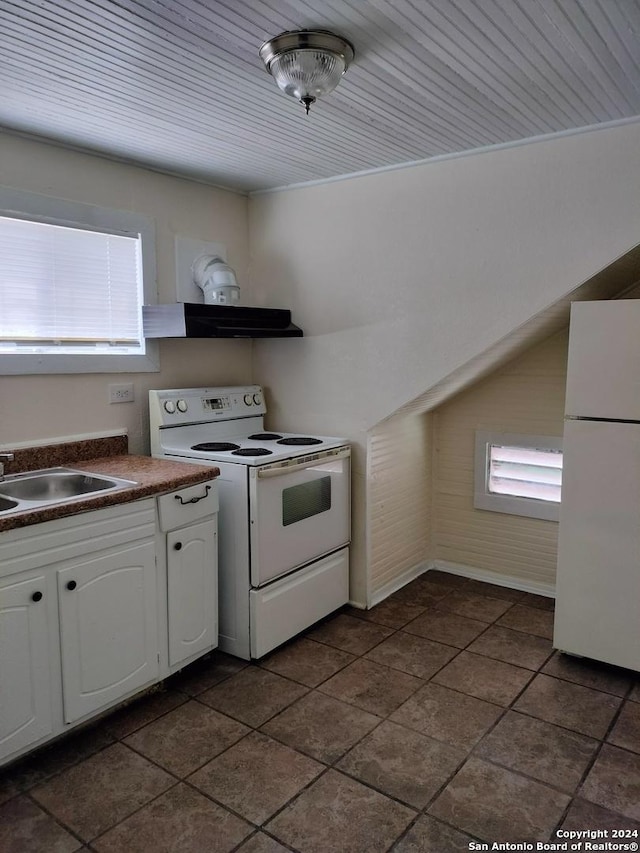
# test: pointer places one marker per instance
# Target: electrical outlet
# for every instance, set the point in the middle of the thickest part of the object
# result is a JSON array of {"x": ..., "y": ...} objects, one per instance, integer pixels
[{"x": 121, "y": 393}]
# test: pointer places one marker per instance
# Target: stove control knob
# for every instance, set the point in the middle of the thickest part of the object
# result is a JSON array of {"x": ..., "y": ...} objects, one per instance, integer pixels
[
  {"x": 257, "y": 399},
  {"x": 248, "y": 399},
  {"x": 182, "y": 406},
  {"x": 169, "y": 406}
]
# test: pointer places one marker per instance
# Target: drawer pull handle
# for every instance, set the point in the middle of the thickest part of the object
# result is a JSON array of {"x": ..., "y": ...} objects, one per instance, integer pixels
[
  {"x": 177, "y": 546},
  {"x": 207, "y": 489},
  {"x": 72, "y": 585},
  {"x": 37, "y": 596}
]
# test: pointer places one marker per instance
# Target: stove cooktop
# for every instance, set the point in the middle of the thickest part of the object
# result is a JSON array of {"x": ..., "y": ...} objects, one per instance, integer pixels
[
  {"x": 254, "y": 449},
  {"x": 224, "y": 425}
]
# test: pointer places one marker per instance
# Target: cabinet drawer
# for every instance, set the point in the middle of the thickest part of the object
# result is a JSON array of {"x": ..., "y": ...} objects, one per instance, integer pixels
[
  {"x": 187, "y": 505},
  {"x": 284, "y": 608}
]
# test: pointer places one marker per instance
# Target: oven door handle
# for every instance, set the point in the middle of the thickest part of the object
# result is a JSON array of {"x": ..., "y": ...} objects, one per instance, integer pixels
[{"x": 281, "y": 470}]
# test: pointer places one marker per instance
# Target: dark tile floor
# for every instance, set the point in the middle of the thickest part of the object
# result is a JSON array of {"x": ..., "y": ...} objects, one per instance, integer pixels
[{"x": 440, "y": 716}]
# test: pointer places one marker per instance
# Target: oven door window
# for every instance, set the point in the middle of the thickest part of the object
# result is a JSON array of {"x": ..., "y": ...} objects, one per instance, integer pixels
[{"x": 305, "y": 500}]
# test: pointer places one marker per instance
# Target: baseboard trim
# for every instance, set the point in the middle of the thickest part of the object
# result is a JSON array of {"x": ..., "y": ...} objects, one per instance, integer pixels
[
  {"x": 510, "y": 581},
  {"x": 398, "y": 582},
  {"x": 546, "y": 589}
]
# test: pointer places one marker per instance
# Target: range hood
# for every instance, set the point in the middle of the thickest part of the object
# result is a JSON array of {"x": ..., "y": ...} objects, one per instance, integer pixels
[{"x": 197, "y": 320}]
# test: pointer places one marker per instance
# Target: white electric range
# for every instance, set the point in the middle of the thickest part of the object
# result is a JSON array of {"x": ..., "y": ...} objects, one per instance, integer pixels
[{"x": 284, "y": 523}]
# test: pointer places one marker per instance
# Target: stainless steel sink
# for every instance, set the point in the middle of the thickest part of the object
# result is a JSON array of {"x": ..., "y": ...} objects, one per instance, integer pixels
[{"x": 53, "y": 485}]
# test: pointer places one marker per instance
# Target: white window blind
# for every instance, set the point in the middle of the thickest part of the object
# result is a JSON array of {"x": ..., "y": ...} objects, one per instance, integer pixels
[
  {"x": 518, "y": 474},
  {"x": 69, "y": 290},
  {"x": 525, "y": 472}
]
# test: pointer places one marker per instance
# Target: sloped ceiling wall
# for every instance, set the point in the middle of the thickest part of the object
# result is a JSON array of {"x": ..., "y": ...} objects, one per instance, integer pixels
[{"x": 401, "y": 278}]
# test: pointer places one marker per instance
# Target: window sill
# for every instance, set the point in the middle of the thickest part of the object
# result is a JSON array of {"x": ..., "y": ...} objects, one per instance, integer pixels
[{"x": 29, "y": 364}]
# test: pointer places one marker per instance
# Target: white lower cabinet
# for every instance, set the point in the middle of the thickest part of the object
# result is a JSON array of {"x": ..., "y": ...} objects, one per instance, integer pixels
[
  {"x": 192, "y": 591},
  {"x": 108, "y": 630},
  {"x": 93, "y": 609},
  {"x": 26, "y": 713},
  {"x": 189, "y": 520}
]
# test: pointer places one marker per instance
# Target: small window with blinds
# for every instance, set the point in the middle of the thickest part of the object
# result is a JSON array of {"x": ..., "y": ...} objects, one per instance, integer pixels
[
  {"x": 518, "y": 474},
  {"x": 72, "y": 286}
]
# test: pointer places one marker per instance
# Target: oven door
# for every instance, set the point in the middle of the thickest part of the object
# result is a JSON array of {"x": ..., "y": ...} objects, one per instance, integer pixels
[{"x": 300, "y": 510}]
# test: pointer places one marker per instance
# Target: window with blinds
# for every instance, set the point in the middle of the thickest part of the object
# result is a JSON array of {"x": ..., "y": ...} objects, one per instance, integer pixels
[
  {"x": 68, "y": 290},
  {"x": 518, "y": 474},
  {"x": 73, "y": 280},
  {"x": 525, "y": 472}
]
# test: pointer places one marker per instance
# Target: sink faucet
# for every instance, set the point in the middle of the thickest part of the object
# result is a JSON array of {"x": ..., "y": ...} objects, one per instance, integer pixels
[{"x": 5, "y": 457}]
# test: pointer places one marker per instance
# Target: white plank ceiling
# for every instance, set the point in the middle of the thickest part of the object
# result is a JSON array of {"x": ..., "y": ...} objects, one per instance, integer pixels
[{"x": 178, "y": 85}]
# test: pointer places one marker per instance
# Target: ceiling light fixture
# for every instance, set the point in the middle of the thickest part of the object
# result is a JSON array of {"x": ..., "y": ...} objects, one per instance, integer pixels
[{"x": 307, "y": 64}]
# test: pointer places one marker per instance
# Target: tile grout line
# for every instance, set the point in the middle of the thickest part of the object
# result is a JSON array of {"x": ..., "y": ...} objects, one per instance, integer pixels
[{"x": 56, "y": 819}]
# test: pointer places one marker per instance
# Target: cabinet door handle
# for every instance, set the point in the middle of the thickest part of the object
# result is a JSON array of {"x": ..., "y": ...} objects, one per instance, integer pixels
[
  {"x": 72, "y": 585},
  {"x": 177, "y": 546},
  {"x": 207, "y": 489},
  {"x": 37, "y": 596}
]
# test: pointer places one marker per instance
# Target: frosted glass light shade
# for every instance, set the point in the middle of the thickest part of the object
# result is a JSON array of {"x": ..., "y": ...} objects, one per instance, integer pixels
[
  {"x": 307, "y": 64},
  {"x": 307, "y": 73}
]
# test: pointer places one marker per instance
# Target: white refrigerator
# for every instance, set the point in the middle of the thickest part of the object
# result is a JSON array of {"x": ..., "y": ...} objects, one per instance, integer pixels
[{"x": 598, "y": 579}]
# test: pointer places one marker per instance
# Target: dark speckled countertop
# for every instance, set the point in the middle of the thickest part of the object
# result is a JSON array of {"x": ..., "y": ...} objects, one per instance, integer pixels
[{"x": 151, "y": 476}]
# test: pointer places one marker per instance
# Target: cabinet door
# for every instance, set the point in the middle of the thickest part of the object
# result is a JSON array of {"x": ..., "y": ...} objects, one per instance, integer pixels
[
  {"x": 108, "y": 628},
  {"x": 25, "y": 678},
  {"x": 192, "y": 578}
]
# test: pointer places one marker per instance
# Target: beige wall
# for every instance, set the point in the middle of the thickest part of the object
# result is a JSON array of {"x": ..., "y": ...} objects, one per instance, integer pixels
[
  {"x": 401, "y": 277},
  {"x": 41, "y": 407},
  {"x": 524, "y": 397},
  {"x": 399, "y": 502}
]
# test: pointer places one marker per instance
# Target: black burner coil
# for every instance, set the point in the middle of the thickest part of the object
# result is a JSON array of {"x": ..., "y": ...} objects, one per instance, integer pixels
[{"x": 215, "y": 446}]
